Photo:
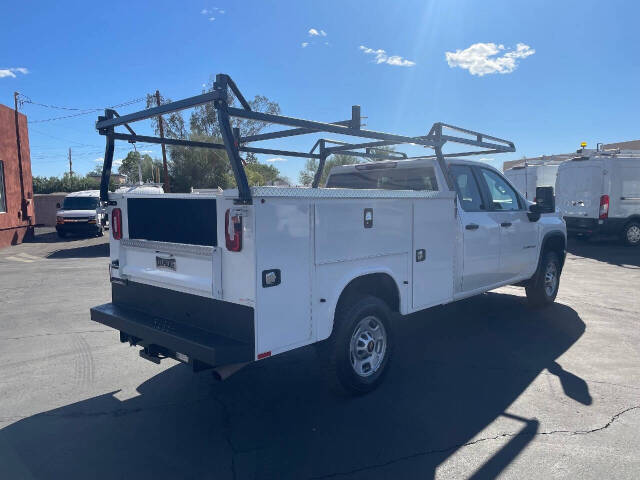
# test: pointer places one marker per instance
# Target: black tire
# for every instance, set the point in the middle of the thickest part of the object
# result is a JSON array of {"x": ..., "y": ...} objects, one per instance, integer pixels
[
  {"x": 338, "y": 349},
  {"x": 543, "y": 288},
  {"x": 631, "y": 234},
  {"x": 100, "y": 232},
  {"x": 61, "y": 234}
]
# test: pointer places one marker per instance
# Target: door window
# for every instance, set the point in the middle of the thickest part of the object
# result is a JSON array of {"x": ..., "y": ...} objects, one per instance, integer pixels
[
  {"x": 467, "y": 188},
  {"x": 501, "y": 195}
]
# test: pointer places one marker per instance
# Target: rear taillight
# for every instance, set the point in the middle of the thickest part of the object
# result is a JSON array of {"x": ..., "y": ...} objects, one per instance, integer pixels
[
  {"x": 604, "y": 207},
  {"x": 233, "y": 231},
  {"x": 116, "y": 223}
]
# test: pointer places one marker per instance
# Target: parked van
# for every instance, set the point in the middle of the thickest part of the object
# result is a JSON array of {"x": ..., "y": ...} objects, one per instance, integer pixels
[
  {"x": 78, "y": 214},
  {"x": 599, "y": 193},
  {"x": 527, "y": 178}
]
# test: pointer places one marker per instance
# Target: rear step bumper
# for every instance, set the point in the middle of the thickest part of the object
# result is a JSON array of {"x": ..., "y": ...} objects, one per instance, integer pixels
[{"x": 160, "y": 336}]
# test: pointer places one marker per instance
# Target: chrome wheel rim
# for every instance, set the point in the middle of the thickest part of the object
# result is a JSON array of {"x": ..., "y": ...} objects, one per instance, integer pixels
[
  {"x": 633, "y": 234},
  {"x": 550, "y": 279},
  {"x": 368, "y": 346}
]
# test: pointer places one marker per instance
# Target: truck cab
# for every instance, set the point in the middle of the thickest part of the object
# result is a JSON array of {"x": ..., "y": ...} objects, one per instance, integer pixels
[
  {"x": 79, "y": 214},
  {"x": 500, "y": 238}
]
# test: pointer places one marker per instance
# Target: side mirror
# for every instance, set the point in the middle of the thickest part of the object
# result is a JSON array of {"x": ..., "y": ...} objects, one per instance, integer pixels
[
  {"x": 545, "y": 200},
  {"x": 58, "y": 205},
  {"x": 534, "y": 213}
]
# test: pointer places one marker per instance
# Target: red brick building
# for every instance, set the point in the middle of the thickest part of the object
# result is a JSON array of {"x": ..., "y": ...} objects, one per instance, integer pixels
[{"x": 16, "y": 185}]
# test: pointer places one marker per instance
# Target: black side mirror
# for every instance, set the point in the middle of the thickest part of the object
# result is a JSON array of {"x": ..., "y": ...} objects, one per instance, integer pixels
[
  {"x": 545, "y": 200},
  {"x": 533, "y": 213},
  {"x": 57, "y": 205}
]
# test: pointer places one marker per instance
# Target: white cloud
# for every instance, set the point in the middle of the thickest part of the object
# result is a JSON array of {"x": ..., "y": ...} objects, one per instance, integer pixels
[
  {"x": 114, "y": 164},
  {"x": 382, "y": 57},
  {"x": 276, "y": 159},
  {"x": 11, "y": 72},
  {"x": 316, "y": 33},
  {"x": 211, "y": 19},
  {"x": 209, "y": 11},
  {"x": 305, "y": 44},
  {"x": 145, "y": 151},
  {"x": 480, "y": 58}
]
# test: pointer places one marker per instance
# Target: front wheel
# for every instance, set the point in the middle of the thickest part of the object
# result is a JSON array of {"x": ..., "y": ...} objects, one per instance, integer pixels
[
  {"x": 359, "y": 349},
  {"x": 631, "y": 234},
  {"x": 543, "y": 287}
]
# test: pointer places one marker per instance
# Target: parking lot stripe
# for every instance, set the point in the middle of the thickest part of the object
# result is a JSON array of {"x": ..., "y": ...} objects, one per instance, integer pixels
[
  {"x": 26, "y": 255},
  {"x": 18, "y": 259}
]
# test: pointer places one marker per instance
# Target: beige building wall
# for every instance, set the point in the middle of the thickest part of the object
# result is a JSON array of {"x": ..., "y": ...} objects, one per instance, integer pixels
[{"x": 45, "y": 208}]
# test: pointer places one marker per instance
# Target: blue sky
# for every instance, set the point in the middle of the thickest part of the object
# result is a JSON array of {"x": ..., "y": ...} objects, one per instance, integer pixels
[{"x": 573, "y": 78}]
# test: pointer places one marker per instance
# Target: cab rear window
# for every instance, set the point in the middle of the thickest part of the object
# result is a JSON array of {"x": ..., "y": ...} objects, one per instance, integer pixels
[{"x": 423, "y": 178}]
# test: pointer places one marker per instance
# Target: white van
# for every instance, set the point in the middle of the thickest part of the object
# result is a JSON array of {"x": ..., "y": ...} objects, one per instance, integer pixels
[
  {"x": 599, "y": 193},
  {"x": 78, "y": 214},
  {"x": 527, "y": 178}
]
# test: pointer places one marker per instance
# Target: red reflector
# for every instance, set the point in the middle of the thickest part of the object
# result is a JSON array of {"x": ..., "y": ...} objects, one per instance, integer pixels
[
  {"x": 233, "y": 232},
  {"x": 116, "y": 223},
  {"x": 604, "y": 207},
  {"x": 264, "y": 355}
]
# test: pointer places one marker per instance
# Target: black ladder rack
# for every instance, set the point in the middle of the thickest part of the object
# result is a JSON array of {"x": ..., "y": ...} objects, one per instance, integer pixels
[{"x": 234, "y": 144}]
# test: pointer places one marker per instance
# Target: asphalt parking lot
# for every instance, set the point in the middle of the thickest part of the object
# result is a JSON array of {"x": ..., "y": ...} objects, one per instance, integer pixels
[{"x": 482, "y": 388}]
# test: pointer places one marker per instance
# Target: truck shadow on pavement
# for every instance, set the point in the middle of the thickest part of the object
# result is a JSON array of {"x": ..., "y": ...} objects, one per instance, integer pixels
[
  {"x": 86, "y": 251},
  {"x": 456, "y": 369},
  {"x": 605, "y": 250}
]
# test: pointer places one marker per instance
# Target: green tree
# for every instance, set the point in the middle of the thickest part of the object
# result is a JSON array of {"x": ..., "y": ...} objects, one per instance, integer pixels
[
  {"x": 210, "y": 168},
  {"x": 68, "y": 183},
  {"x": 129, "y": 167}
]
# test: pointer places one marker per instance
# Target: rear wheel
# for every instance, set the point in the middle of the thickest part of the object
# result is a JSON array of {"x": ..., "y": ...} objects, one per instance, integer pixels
[
  {"x": 360, "y": 348},
  {"x": 61, "y": 234},
  {"x": 543, "y": 287},
  {"x": 631, "y": 234}
]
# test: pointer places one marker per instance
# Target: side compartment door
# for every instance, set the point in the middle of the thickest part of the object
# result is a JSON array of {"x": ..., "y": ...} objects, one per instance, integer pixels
[
  {"x": 480, "y": 233},
  {"x": 518, "y": 235},
  {"x": 283, "y": 274},
  {"x": 434, "y": 247}
]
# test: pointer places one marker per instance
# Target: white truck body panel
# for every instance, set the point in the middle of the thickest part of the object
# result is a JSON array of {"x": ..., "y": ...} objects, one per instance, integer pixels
[{"x": 320, "y": 240}]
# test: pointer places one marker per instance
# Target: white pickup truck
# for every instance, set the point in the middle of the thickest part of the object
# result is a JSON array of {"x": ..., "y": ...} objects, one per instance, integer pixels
[{"x": 217, "y": 280}]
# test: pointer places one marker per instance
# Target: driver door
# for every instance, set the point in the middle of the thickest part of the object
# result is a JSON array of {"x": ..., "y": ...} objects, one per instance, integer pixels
[
  {"x": 518, "y": 235},
  {"x": 480, "y": 232}
]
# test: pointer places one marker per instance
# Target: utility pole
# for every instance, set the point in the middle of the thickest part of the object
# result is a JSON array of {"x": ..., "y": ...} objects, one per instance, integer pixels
[
  {"x": 70, "y": 164},
  {"x": 23, "y": 204},
  {"x": 167, "y": 188}
]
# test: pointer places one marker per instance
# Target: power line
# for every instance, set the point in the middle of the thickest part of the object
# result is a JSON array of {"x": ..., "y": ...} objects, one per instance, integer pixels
[
  {"x": 80, "y": 110},
  {"x": 62, "y": 139}
]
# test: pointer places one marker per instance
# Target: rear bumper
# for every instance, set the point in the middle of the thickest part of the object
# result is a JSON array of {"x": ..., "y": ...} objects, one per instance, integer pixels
[
  {"x": 170, "y": 322},
  {"x": 172, "y": 337},
  {"x": 594, "y": 226}
]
